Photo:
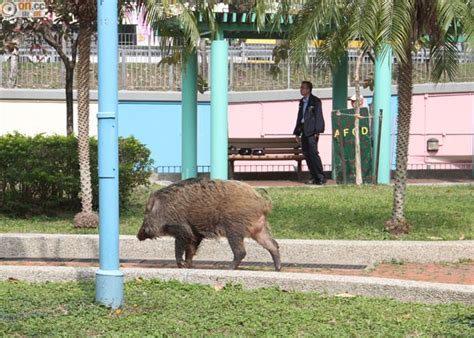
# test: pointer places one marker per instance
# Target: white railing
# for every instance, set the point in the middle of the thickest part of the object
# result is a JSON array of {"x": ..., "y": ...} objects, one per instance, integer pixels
[{"x": 249, "y": 67}]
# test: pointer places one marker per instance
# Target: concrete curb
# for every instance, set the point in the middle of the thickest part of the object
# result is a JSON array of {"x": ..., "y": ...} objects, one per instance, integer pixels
[
  {"x": 292, "y": 251},
  {"x": 408, "y": 291}
]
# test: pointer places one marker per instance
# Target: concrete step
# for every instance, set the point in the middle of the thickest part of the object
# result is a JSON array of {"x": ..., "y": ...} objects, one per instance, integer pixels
[
  {"x": 343, "y": 286},
  {"x": 292, "y": 251}
]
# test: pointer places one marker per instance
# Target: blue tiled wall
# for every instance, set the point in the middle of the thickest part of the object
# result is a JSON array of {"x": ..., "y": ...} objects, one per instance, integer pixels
[{"x": 158, "y": 126}]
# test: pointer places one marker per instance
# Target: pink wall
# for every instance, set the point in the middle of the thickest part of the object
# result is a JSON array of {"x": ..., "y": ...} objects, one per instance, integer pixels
[
  {"x": 447, "y": 117},
  {"x": 275, "y": 119}
]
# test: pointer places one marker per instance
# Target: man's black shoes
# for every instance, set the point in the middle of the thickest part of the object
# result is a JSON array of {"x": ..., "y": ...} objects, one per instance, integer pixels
[{"x": 322, "y": 181}]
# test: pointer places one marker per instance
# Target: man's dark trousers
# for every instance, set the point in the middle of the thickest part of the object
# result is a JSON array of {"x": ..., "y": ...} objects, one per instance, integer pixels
[{"x": 309, "y": 145}]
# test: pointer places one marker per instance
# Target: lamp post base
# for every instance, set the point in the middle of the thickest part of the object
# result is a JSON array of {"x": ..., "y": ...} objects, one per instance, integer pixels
[{"x": 109, "y": 288}]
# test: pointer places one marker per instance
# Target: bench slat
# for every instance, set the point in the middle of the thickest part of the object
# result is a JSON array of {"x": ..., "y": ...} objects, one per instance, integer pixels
[
  {"x": 272, "y": 151},
  {"x": 275, "y": 149},
  {"x": 272, "y": 157},
  {"x": 265, "y": 145},
  {"x": 263, "y": 139}
]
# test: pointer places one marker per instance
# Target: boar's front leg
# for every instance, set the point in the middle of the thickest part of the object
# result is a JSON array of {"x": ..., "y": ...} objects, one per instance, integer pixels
[
  {"x": 179, "y": 247},
  {"x": 183, "y": 238},
  {"x": 191, "y": 249}
]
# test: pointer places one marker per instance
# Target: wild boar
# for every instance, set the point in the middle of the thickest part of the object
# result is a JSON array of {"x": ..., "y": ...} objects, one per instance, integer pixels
[{"x": 194, "y": 209}]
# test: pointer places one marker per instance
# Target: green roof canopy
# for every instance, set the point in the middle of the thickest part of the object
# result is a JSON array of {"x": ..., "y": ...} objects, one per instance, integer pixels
[{"x": 241, "y": 25}]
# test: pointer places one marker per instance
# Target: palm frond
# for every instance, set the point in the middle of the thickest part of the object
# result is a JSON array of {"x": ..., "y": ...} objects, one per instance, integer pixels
[
  {"x": 317, "y": 18},
  {"x": 374, "y": 29},
  {"x": 456, "y": 17},
  {"x": 283, "y": 10},
  {"x": 206, "y": 9},
  {"x": 261, "y": 9},
  {"x": 401, "y": 29},
  {"x": 444, "y": 59}
]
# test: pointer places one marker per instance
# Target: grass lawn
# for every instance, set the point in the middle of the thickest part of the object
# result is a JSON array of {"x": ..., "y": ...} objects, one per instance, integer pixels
[
  {"x": 333, "y": 212},
  {"x": 156, "y": 308}
]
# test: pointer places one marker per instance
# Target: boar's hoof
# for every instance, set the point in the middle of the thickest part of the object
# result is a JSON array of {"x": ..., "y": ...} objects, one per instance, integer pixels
[
  {"x": 233, "y": 266},
  {"x": 182, "y": 265}
]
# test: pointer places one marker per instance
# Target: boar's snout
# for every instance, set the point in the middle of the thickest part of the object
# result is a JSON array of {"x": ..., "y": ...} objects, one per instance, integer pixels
[{"x": 143, "y": 233}]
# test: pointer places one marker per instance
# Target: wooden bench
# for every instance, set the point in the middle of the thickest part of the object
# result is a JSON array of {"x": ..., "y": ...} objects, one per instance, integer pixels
[{"x": 275, "y": 149}]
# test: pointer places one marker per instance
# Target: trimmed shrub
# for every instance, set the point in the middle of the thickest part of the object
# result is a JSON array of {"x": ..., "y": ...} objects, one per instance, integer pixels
[{"x": 40, "y": 174}]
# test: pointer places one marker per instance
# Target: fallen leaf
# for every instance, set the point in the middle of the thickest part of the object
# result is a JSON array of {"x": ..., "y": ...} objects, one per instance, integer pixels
[
  {"x": 218, "y": 287},
  {"x": 345, "y": 295},
  {"x": 462, "y": 237}
]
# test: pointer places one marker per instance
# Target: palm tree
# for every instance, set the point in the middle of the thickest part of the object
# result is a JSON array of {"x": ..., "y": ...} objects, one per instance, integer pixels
[
  {"x": 159, "y": 14},
  {"x": 87, "y": 12},
  {"x": 400, "y": 24},
  {"x": 413, "y": 20}
]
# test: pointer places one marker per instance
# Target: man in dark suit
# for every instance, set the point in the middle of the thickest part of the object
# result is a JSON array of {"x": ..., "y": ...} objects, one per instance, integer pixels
[{"x": 309, "y": 124}]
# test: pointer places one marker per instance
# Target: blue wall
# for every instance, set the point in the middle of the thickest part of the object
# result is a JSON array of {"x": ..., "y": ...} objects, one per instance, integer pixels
[
  {"x": 394, "y": 111},
  {"x": 158, "y": 126}
]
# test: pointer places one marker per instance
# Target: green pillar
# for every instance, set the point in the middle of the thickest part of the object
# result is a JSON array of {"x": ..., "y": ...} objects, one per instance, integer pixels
[
  {"x": 189, "y": 118},
  {"x": 382, "y": 95},
  {"x": 339, "y": 93},
  {"x": 219, "y": 101}
]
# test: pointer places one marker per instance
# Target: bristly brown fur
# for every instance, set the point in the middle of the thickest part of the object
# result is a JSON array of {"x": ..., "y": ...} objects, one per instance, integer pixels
[{"x": 194, "y": 209}]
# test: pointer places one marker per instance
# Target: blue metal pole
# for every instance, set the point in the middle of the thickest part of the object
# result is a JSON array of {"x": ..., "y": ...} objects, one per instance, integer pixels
[
  {"x": 189, "y": 118},
  {"x": 219, "y": 102},
  {"x": 382, "y": 96},
  {"x": 109, "y": 279}
]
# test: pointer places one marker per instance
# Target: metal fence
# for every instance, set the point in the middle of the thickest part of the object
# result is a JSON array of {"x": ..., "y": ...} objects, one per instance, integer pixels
[
  {"x": 249, "y": 67},
  {"x": 293, "y": 168}
]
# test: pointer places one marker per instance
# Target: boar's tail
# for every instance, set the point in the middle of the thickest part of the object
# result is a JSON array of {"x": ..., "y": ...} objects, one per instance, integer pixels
[{"x": 267, "y": 200}]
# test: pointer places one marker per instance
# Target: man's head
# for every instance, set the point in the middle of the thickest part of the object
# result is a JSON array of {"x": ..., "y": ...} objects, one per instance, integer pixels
[
  {"x": 353, "y": 100},
  {"x": 306, "y": 88}
]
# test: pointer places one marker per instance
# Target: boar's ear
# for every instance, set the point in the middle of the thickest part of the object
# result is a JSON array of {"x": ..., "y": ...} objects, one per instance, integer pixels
[{"x": 152, "y": 203}]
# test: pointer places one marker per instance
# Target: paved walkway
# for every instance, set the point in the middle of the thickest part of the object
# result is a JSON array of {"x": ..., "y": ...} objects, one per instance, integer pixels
[{"x": 451, "y": 273}]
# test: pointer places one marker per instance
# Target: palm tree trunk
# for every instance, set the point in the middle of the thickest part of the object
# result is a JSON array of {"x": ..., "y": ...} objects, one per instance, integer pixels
[
  {"x": 86, "y": 218},
  {"x": 398, "y": 224}
]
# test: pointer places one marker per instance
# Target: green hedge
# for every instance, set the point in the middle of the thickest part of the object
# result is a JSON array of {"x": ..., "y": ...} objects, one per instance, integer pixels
[{"x": 40, "y": 174}]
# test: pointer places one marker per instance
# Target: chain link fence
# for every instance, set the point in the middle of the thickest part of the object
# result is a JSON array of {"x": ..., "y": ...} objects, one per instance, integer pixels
[{"x": 250, "y": 65}]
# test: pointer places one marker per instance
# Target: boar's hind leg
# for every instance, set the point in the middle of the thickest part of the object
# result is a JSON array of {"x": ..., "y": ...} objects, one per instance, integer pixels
[
  {"x": 236, "y": 242},
  {"x": 264, "y": 238}
]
